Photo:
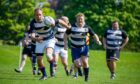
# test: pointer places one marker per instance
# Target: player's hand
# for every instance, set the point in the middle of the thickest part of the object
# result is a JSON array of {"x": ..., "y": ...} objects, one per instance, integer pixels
[
  {"x": 39, "y": 39},
  {"x": 99, "y": 43},
  {"x": 121, "y": 47}
]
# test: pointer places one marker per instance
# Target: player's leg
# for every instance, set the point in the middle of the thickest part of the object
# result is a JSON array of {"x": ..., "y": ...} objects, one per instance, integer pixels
[
  {"x": 112, "y": 66},
  {"x": 71, "y": 68},
  {"x": 64, "y": 60},
  {"x": 41, "y": 67},
  {"x": 77, "y": 67},
  {"x": 22, "y": 60},
  {"x": 85, "y": 63},
  {"x": 77, "y": 61},
  {"x": 39, "y": 52},
  {"x": 34, "y": 59},
  {"x": 49, "y": 54},
  {"x": 56, "y": 53},
  {"x": 34, "y": 65},
  {"x": 22, "y": 63},
  {"x": 112, "y": 57},
  {"x": 85, "y": 66}
]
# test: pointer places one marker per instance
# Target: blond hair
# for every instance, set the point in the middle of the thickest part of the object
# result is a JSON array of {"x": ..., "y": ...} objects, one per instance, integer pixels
[{"x": 79, "y": 14}]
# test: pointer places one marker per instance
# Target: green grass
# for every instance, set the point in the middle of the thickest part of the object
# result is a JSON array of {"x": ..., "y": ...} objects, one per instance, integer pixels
[{"x": 128, "y": 69}]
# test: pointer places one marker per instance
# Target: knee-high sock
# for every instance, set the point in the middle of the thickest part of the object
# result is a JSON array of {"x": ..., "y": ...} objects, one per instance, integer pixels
[
  {"x": 80, "y": 72},
  {"x": 86, "y": 72},
  {"x": 43, "y": 70},
  {"x": 51, "y": 68},
  {"x": 34, "y": 61}
]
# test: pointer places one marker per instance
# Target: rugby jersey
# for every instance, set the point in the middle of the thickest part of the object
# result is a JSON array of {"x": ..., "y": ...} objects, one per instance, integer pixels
[
  {"x": 41, "y": 29},
  {"x": 78, "y": 35},
  {"x": 60, "y": 31},
  {"x": 114, "y": 38}
]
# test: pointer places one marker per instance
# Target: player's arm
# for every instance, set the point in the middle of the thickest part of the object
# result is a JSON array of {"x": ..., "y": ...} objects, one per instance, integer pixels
[
  {"x": 66, "y": 35},
  {"x": 126, "y": 39},
  {"x": 97, "y": 39},
  {"x": 63, "y": 23},
  {"x": 95, "y": 36},
  {"x": 104, "y": 40}
]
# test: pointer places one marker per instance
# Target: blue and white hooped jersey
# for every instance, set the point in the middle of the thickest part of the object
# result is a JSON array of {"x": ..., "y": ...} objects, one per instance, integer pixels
[
  {"x": 60, "y": 31},
  {"x": 114, "y": 38},
  {"x": 41, "y": 29},
  {"x": 78, "y": 35}
]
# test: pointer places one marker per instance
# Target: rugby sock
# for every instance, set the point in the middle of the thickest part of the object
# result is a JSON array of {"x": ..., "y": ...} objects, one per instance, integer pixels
[
  {"x": 72, "y": 68},
  {"x": 86, "y": 72},
  {"x": 43, "y": 70},
  {"x": 55, "y": 65},
  {"x": 51, "y": 68},
  {"x": 67, "y": 72},
  {"x": 80, "y": 72},
  {"x": 34, "y": 61}
]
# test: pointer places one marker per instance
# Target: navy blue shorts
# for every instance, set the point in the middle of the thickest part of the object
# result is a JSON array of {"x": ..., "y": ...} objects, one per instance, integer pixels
[
  {"x": 112, "y": 54},
  {"x": 33, "y": 46},
  {"x": 27, "y": 51},
  {"x": 78, "y": 52}
]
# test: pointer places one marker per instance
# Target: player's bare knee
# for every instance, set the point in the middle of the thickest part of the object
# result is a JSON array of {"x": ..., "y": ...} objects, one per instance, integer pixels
[
  {"x": 49, "y": 56},
  {"x": 78, "y": 65}
]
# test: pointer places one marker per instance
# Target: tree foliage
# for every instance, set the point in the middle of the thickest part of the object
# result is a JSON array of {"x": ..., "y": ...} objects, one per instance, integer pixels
[{"x": 101, "y": 13}]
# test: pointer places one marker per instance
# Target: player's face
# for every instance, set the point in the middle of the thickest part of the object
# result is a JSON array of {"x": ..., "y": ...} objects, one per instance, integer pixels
[
  {"x": 115, "y": 25},
  {"x": 65, "y": 20},
  {"x": 80, "y": 20},
  {"x": 39, "y": 15}
]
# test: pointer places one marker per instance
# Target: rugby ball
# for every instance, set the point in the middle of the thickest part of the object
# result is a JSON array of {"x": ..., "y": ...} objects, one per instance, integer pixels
[{"x": 48, "y": 21}]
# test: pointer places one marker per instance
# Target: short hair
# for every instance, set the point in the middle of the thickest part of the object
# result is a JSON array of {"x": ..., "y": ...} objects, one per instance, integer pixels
[
  {"x": 79, "y": 14},
  {"x": 115, "y": 21},
  {"x": 37, "y": 9},
  {"x": 65, "y": 17}
]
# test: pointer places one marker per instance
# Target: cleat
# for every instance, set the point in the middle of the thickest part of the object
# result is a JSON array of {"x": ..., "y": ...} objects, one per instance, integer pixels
[
  {"x": 112, "y": 76},
  {"x": 17, "y": 70},
  {"x": 75, "y": 76},
  {"x": 86, "y": 79},
  {"x": 43, "y": 78},
  {"x": 52, "y": 75}
]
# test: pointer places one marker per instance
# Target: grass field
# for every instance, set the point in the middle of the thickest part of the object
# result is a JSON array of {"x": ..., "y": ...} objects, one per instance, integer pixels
[{"x": 128, "y": 69}]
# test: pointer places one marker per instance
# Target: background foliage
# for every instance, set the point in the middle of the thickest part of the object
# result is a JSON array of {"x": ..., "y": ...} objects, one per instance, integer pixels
[{"x": 99, "y": 14}]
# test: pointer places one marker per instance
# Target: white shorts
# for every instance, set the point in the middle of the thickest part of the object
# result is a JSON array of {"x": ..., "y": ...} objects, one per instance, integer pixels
[
  {"x": 45, "y": 44},
  {"x": 60, "y": 50}
]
